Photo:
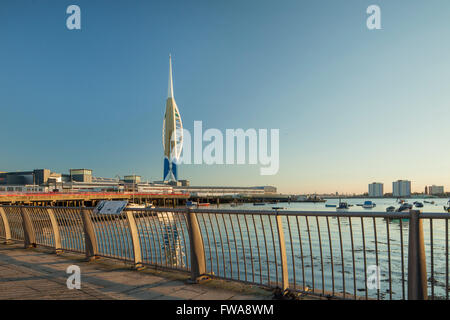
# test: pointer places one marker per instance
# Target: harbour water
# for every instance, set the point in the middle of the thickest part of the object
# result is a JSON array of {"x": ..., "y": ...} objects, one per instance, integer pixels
[{"x": 381, "y": 204}]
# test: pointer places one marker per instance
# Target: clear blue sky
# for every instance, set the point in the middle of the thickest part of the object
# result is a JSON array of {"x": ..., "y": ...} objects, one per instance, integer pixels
[{"x": 353, "y": 105}]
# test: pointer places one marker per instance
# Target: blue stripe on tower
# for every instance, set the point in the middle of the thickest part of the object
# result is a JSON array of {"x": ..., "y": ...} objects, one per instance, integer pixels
[
  {"x": 175, "y": 171},
  {"x": 166, "y": 168}
]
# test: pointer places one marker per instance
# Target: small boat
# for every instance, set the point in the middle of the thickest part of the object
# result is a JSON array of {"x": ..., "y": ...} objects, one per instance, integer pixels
[
  {"x": 368, "y": 204},
  {"x": 330, "y": 205},
  {"x": 259, "y": 204},
  {"x": 418, "y": 204},
  {"x": 390, "y": 209},
  {"x": 191, "y": 203},
  {"x": 278, "y": 208},
  {"x": 405, "y": 206},
  {"x": 447, "y": 207},
  {"x": 205, "y": 204},
  {"x": 139, "y": 206},
  {"x": 342, "y": 206}
]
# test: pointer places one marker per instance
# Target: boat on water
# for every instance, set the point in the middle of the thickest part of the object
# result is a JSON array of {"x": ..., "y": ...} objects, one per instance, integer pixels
[
  {"x": 259, "y": 204},
  {"x": 447, "y": 207},
  {"x": 418, "y": 204},
  {"x": 191, "y": 203},
  {"x": 330, "y": 205},
  {"x": 205, "y": 204},
  {"x": 368, "y": 204},
  {"x": 390, "y": 209},
  {"x": 405, "y": 206},
  {"x": 139, "y": 206},
  {"x": 278, "y": 208},
  {"x": 342, "y": 205}
]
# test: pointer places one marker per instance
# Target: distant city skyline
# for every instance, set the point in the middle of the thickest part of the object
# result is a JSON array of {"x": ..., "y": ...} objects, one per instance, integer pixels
[{"x": 352, "y": 105}]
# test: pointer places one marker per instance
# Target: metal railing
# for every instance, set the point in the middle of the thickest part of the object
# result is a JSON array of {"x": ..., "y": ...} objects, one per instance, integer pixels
[{"x": 349, "y": 255}]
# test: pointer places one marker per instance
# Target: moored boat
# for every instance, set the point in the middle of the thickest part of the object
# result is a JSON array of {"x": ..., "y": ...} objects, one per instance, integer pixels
[
  {"x": 368, "y": 204},
  {"x": 390, "y": 209},
  {"x": 139, "y": 206},
  {"x": 447, "y": 207},
  {"x": 205, "y": 204},
  {"x": 342, "y": 205},
  {"x": 418, "y": 204},
  {"x": 405, "y": 206},
  {"x": 191, "y": 203}
]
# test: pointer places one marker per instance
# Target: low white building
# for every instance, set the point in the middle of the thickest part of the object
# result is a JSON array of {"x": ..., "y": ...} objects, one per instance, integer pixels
[{"x": 435, "y": 190}]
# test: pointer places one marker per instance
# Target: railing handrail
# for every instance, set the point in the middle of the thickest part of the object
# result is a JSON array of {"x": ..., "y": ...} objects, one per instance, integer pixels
[{"x": 349, "y": 214}]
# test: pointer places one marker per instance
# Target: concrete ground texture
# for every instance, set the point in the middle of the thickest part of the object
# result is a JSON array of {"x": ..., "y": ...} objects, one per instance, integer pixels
[{"x": 39, "y": 273}]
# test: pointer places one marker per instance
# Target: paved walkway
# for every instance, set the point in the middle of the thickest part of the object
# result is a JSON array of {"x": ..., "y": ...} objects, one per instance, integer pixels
[{"x": 41, "y": 274}]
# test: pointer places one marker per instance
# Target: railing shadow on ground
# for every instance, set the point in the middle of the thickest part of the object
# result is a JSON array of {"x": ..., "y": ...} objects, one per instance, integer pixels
[{"x": 112, "y": 289}]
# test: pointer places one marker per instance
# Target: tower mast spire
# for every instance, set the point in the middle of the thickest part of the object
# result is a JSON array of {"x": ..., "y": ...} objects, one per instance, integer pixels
[{"x": 170, "y": 91}]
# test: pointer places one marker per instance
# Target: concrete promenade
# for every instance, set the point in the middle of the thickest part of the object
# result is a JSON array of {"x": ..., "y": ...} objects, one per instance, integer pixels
[{"x": 40, "y": 274}]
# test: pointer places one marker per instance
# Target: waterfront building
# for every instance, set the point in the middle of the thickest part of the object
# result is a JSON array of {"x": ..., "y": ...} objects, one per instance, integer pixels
[
  {"x": 376, "y": 190},
  {"x": 435, "y": 190},
  {"x": 213, "y": 191},
  {"x": 81, "y": 175},
  {"x": 22, "y": 189},
  {"x": 132, "y": 179},
  {"x": 172, "y": 133},
  {"x": 82, "y": 180},
  {"x": 401, "y": 188}
]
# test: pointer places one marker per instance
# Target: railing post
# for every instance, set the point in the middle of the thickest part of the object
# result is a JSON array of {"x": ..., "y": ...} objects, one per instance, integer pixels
[
  {"x": 284, "y": 268},
  {"x": 198, "y": 260},
  {"x": 417, "y": 270},
  {"x": 8, "y": 239},
  {"x": 56, "y": 233},
  {"x": 28, "y": 229},
  {"x": 135, "y": 240},
  {"x": 89, "y": 236}
]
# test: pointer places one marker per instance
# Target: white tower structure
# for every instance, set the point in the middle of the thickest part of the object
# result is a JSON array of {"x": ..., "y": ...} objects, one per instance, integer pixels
[{"x": 172, "y": 133}]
